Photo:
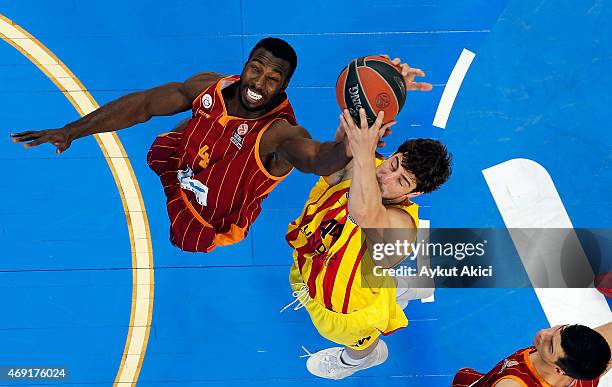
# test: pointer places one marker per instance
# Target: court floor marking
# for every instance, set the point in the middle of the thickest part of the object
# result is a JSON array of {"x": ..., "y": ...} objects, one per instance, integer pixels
[
  {"x": 127, "y": 184},
  {"x": 452, "y": 88},
  {"x": 526, "y": 197}
]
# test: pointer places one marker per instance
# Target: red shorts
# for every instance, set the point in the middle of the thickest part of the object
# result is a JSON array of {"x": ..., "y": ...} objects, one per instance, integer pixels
[{"x": 188, "y": 231}]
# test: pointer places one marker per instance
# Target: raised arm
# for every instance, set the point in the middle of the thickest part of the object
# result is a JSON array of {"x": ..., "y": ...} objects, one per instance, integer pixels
[
  {"x": 129, "y": 110},
  {"x": 294, "y": 144},
  {"x": 381, "y": 224}
]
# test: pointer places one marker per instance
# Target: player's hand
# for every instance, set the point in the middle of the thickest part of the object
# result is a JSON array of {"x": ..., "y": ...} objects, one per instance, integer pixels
[
  {"x": 363, "y": 141},
  {"x": 408, "y": 73},
  {"x": 58, "y": 137},
  {"x": 340, "y": 136}
]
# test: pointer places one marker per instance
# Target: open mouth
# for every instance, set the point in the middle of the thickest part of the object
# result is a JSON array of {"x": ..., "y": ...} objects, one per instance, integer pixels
[{"x": 253, "y": 96}]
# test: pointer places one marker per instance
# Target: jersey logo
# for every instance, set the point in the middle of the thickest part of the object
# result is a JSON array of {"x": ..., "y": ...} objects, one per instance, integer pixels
[
  {"x": 242, "y": 129},
  {"x": 361, "y": 342},
  {"x": 206, "y": 101},
  {"x": 201, "y": 112},
  {"x": 237, "y": 136},
  {"x": 508, "y": 363},
  {"x": 203, "y": 153}
]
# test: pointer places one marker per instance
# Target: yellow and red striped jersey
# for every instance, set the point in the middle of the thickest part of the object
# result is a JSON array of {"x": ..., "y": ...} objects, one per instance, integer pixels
[{"x": 329, "y": 249}]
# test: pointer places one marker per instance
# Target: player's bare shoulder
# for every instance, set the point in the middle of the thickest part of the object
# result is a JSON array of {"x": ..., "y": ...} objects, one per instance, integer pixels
[
  {"x": 280, "y": 131},
  {"x": 507, "y": 383},
  {"x": 195, "y": 85}
]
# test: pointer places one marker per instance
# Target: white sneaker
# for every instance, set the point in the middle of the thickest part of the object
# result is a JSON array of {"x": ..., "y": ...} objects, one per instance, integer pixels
[{"x": 327, "y": 363}]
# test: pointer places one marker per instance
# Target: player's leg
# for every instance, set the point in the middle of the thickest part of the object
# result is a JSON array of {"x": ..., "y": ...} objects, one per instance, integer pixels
[
  {"x": 355, "y": 354},
  {"x": 405, "y": 295}
]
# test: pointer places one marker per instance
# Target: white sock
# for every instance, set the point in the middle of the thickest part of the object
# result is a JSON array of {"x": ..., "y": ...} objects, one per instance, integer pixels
[{"x": 348, "y": 360}]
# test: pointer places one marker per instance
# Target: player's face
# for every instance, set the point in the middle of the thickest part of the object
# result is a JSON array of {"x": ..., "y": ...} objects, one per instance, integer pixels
[
  {"x": 395, "y": 181},
  {"x": 548, "y": 344},
  {"x": 263, "y": 78}
]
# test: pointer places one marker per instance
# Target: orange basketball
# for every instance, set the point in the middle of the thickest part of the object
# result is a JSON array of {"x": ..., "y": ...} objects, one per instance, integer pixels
[{"x": 372, "y": 83}]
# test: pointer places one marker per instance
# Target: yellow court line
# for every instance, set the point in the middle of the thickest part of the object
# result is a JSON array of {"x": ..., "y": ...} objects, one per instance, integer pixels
[{"x": 127, "y": 184}]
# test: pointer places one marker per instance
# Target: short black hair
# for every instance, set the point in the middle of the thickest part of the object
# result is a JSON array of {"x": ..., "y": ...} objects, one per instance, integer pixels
[
  {"x": 428, "y": 160},
  {"x": 280, "y": 49},
  {"x": 587, "y": 353}
]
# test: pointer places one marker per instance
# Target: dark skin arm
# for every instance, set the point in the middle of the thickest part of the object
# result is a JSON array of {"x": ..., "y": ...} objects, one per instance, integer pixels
[
  {"x": 294, "y": 145},
  {"x": 129, "y": 110}
]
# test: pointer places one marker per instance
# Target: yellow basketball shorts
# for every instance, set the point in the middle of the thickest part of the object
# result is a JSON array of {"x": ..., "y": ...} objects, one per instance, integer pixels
[{"x": 359, "y": 329}]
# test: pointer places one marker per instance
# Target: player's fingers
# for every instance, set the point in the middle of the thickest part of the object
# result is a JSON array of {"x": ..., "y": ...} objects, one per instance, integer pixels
[
  {"x": 363, "y": 119},
  {"x": 34, "y": 143},
  {"x": 423, "y": 86},
  {"x": 27, "y": 137},
  {"x": 347, "y": 122},
  {"x": 396, "y": 61},
  {"x": 348, "y": 119},
  {"x": 343, "y": 125},
  {"x": 415, "y": 72},
  {"x": 62, "y": 147},
  {"x": 20, "y": 133},
  {"x": 386, "y": 128},
  {"x": 405, "y": 69},
  {"x": 379, "y": 120}
]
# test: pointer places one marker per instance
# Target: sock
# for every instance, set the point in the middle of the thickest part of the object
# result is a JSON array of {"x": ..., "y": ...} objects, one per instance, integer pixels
[{"x": 349, "y": 361}]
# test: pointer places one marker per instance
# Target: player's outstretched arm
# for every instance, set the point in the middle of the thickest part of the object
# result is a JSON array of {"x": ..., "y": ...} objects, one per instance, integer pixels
[
  {"x": 294, "y": 144},
  {"x": 129, "y": 110}
]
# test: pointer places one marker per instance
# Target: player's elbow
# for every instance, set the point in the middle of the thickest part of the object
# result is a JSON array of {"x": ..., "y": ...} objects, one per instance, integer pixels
[
  {"x": 367, "y": 217},
  {"x": 325, "y": 169}
]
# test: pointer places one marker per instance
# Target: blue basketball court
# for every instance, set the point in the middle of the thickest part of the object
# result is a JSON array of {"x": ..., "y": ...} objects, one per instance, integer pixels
[{"x": 89, "y": 280}]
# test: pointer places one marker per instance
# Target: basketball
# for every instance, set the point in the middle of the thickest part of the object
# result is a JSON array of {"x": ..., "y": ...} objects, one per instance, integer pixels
[{"x": 372, "y": 83}]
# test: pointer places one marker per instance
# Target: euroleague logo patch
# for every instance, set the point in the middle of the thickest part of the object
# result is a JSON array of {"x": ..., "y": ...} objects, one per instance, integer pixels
[
  {"x": 507, "y": 364},
  {"x": 206, "y": 101},
  {"x": 237, "y": 136},
  {"x": 382, "y": 100}
]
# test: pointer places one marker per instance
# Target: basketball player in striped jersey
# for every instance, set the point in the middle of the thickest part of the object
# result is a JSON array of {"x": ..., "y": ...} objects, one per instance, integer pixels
[
  {"x": 368, "y": 202},
  {"x": 562, "y": 356},
  {"x": 217, "y": 168}
]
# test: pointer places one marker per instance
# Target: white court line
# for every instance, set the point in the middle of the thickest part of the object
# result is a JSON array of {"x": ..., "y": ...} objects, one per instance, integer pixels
[
  {"x": 452, "y": 88},
  {"x": 527, "y": 198},
  {"x": 131, "y": 197},
  {"x": 425, "y": 223}
]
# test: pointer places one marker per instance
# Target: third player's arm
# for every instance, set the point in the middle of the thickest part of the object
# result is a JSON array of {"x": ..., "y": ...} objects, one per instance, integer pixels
[
  {"x": 294, "y": 144},
  {"x": 124, "y": 112}
]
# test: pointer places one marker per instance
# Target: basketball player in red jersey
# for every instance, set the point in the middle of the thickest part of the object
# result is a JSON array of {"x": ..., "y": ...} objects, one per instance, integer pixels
[
  {"x": 241, "y": 141},
  {"x": 564, "y": 355}
]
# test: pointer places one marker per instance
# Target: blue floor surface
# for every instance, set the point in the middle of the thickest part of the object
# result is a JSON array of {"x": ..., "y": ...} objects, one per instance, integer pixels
[{"x": 534, "y": 90}]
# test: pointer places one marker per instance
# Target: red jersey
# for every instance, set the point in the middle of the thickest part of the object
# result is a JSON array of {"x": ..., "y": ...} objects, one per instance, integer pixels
[
  {"x": 517, "y": 367},
  {"x": 212, "y": 174}
]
